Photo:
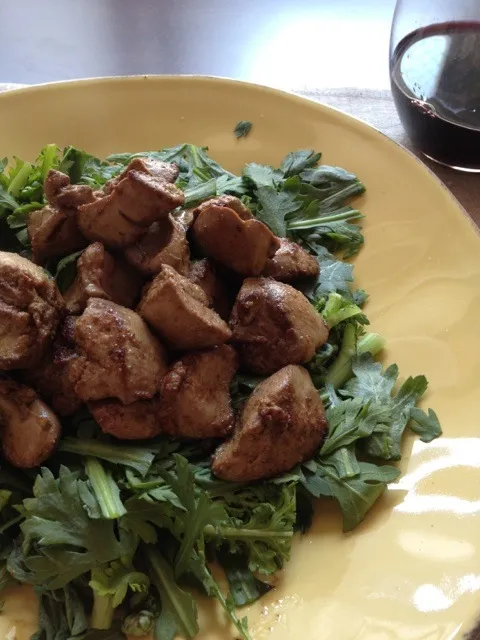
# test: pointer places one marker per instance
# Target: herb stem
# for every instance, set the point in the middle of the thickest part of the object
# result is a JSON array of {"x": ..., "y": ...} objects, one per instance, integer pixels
[
  {"x": 239, "y": 533},
  {"x": 106, "y": 490},
  {"x": 347, "y": 192},
  {"x": 49, "y": 155},
  {"x": 227, "y": 605},
  {"x": 162, "y": 579},
  {"x": 10, "y": 523},
  {"x": 341, "y": 369},
  {"x": 102, "y": 614},
  {"x": 308, "y": 223},
  {"x": 20, "y": 180},
  {"x": 201, "y": 192},
  {"x": 136, "y": 457}
]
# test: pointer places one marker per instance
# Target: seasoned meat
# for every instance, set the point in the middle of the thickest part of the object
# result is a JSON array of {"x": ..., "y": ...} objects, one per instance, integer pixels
[
  {"x": 282, "y": 424},
  {"x": 195, "y": 397},
  {"x": 30, "y": 310},
  {"x": 164, "y": 243},
  {"x": 100, "y": 275},
  {"x": 53, "y": 230},
  {"x": 121, "y": 217},
  {"x": 105, "y": 222},
  {"x": 185, "y": 218},
  {"x": 53, "y": 233},
  {"x": 241, "y": 245},
  {"x": 225, "y": 201},
  {"x": 291, "y": 262},
  {"x": 54, "y": 184},
  {"x": 204, "y": 274},
  {"x": 60, "y": 193},
  {"x": 178, "y": 310},
  {"x": 134, "y": 421},
  {"x": 29, "y": 430},
  {"x": 273, "y": 325},
  {"x": 117, "y": 357},
  {"x": 50, "y": 378},
  {"x": 165, "y": 171}
]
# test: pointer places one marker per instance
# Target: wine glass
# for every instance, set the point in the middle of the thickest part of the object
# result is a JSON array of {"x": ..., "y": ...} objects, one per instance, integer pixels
[{"x": 435, "y": 78}]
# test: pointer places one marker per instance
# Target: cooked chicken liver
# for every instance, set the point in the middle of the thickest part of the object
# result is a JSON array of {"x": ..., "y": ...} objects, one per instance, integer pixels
[
  {"x": 132, "y": 203},
  {"x": 164, "y": 243},
  {"x": 118, "y": 357},
  {"x": 291, "y": 262},
  {"x": 53, "y": 230},
  {"x": 177, "y": 309},
  {"x": 195, "y": 397},
  {"x": 242, "y": 245},
  {"x": 29, "y": 430},
  {"x": 165, "y": 171},
  {"x": 30, "y": 310},
  {"x": 60, "y": 193},
  {"x": 204, "y": 274},
  {"x": 50, "y": 378},
  {"x": 283, "y": 423},
  {"x": 273, "y": 325},
  {"x": 225, "y": 201},
  {"x": 134, "y": 421},
  {"x": 100, "y": 275}
]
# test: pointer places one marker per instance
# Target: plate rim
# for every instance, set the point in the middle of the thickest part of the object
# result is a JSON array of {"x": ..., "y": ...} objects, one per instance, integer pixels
[{"x": 288, "y": 94}]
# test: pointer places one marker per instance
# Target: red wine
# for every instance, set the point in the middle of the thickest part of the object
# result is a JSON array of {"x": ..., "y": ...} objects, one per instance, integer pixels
[{"x": 435, "y": 74}]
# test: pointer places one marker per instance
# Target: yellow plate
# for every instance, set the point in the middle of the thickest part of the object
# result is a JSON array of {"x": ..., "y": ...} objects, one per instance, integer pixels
[{"x": 411, "y": 571}]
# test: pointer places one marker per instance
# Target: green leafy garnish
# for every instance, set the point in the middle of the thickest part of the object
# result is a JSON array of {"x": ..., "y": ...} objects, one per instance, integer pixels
[
  {"x": 242, "y": 129},
  {"x": 110, "y": 531}
]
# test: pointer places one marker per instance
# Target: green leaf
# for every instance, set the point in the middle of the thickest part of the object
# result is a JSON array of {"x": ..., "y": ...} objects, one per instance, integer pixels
[
  {"x": 351, "y": 420},
  {"x": 142, "y": 513},
  {"x": 260, "y": 525},
  {"x": 353, "y": 344},
  {"x": 297, "y": 161},
  {"x": 335, "y": 275},
  {"x": 371, "y": 382},
  {"x": 274, "y": 207},
  {"x": 245, "y": 588},
  {"x": 356, "y": 494},
  {"x": 73, "y": 162},
  {"x": 242, "y": 128},
  {"x": 262, "y": 175},
  {"x": 196, "y": 513},
  {"x": 66, "y": 271},
  {"x": 7, "y": 201},
  {"x": 68, "y": 542},
  {"x": 228, "y": 604},
  {"x": 179, "y": 611},
  {"x": 116, "y": 578},
  {"x": 19, "y": 218},
  {"x": 137, "y": 457},
  {"x": 328, "y": 177},
  {"x": 61, "y": 615},
  {"x": 338, "y": 309},
  {"x": 427, "y": 426}
]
